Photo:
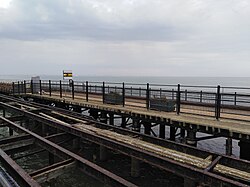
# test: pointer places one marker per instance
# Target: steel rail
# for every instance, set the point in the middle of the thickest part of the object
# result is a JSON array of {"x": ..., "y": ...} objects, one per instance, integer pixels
[
  {"x": 17, "y": 172},
  {"x": 88, "y": 167}
]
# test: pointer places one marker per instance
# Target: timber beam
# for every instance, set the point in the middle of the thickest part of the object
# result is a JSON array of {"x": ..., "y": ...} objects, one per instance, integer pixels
[{"x": 53, "y": 171}]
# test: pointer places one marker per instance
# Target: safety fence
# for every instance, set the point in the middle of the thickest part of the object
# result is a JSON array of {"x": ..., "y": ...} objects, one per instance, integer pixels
[{"x": 211, "y": 101}]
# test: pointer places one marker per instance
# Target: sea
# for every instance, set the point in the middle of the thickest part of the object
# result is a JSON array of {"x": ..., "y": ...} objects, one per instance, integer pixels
[
  {"x": 215, "y": 145},
  {"x": 164, "y": 80}
]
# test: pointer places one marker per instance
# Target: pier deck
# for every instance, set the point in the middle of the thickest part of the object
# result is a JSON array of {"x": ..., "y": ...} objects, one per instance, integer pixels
[{"x": 238, "y": 129}]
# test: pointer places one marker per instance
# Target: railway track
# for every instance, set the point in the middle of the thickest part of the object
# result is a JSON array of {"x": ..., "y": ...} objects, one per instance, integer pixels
[{"x": 189, "y": 162}]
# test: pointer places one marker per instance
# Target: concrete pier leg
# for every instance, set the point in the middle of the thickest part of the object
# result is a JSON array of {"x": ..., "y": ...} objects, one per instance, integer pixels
[
  {"x": 229, "y": 146},
  {"x": 162, "y": 133},
  {"x": 244, "y": 150},
  {"x": 136, "y": 125},
  {"x": 11, "y": 132},
  {"x": 104, "y": 153},
  {"x": 93, "y": 113},
  {"x": 111, "y": 119},
  {"x": 103, "y": 117},
  {"x": 123, "y": 125},
  {"x": 183, "y": 132},
  {"x": 76, "y": 143},
  {"x": 190, "y": 140},
  {"x": 147, "y": 128},
  {"x": 189, "y": 183},
  {"x": 135, "y": 167},
  {"x": 172, "y": 133},
  {"x": 4, "y": 113}
]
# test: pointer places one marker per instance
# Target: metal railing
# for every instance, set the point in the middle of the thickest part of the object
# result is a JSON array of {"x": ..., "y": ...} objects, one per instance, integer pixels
[{"x": 211, "y": 101}]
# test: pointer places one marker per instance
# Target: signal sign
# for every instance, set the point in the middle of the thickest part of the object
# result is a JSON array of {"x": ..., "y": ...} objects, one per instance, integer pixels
[{"x": 67, "y": 74}]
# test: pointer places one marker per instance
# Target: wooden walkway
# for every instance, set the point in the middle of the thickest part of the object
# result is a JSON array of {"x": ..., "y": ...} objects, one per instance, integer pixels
[{"x": 136, "y": 108}]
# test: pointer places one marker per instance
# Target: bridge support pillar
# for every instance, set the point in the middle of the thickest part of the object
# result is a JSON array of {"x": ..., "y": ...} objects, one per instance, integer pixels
[
  {"x": 183, "y": 132},
  {"x": 162, "y": 133},
  {"x": 104, "y": 153},
  {"x": 103, "y": 117},
  {"x": 172, "y": 133},
  {"x": 93, "y": 113},
  {"x": 244, "y": 150},
  {"x": 10, "y": 130},
  {"x": 135, "y": 167},
  {"x": 4, "y": 113},
  {"x": 147, "y": 127},
  {"x": 123, "y": 125},
  {"x": 111, "y": 119},
  {"x": 189, "y": 183},
  {"x": 229, "y": 146},
  {"x": 136, "y": 125},
  {"x": 191, "y": 136}
]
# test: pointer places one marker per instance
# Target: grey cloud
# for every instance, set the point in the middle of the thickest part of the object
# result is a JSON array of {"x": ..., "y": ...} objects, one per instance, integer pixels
[
  {"x": 126, "y": 37},
  {"x": 31, "y": 20}
]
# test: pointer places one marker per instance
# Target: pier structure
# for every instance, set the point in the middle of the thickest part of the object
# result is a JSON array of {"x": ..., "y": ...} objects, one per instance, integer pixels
[{"x": 124, "y": 119}]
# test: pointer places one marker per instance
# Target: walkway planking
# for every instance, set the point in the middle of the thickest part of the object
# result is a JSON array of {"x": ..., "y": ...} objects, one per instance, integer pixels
[{"x": 233, "y": 128}]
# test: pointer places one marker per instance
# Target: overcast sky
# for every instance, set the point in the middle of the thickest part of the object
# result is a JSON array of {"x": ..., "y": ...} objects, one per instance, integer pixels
[{"x": 125, "y": 37}]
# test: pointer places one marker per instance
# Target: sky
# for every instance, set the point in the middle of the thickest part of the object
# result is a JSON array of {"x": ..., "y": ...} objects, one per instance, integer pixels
[{"x": 125, "y": 37}]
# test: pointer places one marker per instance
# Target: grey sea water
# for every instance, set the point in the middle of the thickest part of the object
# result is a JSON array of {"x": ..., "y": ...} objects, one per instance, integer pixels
[{"x": 207, "y": 81}]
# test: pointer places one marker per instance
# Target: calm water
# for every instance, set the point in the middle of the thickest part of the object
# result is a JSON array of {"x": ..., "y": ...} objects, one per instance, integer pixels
[
  {"x": 216, "y": 145},
  {"x": 208, "y": 81}
]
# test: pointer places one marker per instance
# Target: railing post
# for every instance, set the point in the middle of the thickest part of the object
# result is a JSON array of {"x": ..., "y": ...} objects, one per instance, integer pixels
[
  {"x": 31, "y": 87},
  {"x": 147, "y": 96},
  {"x": 73, "y": 90},
  {"x": 87, "y": 91},
  {"x": 18, "y": 87},
  {"x": 123, "y": 94},
  {"x": 160, "y": 92},
  {"x": 103, "y": 91},
  {"x": 50, "y": 88},
  {"x": 178, "y": 99},
  {"x": 185, "y": 95},
  {"x": 24, "y": 87},
  {"x": 40, "y": 84},
  {"x": 235, "y": 98},
  {"x": 13, "y": 88},
  {"x": 201, "y": 97},
  {"x": 218, "y": 103},
  {"x": 60, "y": 89}
]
